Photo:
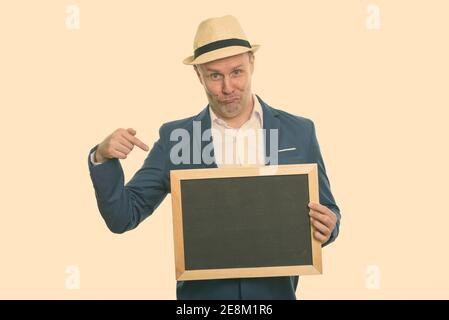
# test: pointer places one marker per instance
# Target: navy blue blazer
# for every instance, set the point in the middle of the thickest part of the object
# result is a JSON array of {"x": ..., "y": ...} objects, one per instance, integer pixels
[{"x": 123, "y": 207}]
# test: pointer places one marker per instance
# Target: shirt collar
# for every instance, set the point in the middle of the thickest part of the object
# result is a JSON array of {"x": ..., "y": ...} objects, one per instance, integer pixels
[{"x": 257, "y": 113}]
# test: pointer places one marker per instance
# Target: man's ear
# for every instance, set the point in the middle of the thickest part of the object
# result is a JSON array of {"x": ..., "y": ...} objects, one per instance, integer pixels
[
  {"x": 252, "y": 57},
  {"x": 195, "y": 67}
]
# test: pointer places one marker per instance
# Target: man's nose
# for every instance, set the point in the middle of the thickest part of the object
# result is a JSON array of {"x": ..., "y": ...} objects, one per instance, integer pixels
[{"x": 227, "y": 85}]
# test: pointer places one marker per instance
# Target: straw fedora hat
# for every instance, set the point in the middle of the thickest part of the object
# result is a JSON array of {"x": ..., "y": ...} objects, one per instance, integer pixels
[{"x": 218, "y": 38}]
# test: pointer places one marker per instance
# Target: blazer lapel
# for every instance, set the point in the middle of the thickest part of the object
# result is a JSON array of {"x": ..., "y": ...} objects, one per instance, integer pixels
[
  {"x": 271, "y": 125},
  {"x": 201, "y": 125}
]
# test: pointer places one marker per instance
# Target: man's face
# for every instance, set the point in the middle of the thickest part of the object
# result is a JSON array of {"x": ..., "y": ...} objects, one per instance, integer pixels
[{"x": 227, "y": 83}]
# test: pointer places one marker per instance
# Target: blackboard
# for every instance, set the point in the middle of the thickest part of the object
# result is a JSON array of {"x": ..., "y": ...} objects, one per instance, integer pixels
[{"x": 244, "y": 222}]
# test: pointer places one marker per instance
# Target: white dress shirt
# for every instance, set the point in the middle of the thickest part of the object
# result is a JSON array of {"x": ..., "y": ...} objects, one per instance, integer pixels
[{"x": 242, "y": 146}]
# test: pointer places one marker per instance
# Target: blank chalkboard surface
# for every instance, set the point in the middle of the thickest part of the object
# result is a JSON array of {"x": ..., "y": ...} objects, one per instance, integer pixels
[{"x": 244, "y": 222}]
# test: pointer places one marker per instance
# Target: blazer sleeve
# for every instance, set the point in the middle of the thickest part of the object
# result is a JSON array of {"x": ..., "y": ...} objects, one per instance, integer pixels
[
  {"x": 326, "y": 197},
  {"x": 123, "y": 207}
]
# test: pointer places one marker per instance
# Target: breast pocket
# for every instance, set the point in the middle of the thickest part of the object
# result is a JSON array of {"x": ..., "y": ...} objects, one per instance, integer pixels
[{"x": 290, "y": 156}]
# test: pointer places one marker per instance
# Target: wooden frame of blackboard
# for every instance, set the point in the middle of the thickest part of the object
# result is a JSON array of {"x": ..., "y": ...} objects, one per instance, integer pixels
[{"x": 177, "y": 176}]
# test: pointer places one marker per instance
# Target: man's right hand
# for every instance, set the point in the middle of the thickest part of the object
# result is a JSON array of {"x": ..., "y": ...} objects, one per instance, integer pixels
[{"x": 118, "y": 145}]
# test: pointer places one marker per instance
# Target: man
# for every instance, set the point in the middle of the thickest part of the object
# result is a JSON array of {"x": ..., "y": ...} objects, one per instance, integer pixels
[{"x": 224, "y": 63}]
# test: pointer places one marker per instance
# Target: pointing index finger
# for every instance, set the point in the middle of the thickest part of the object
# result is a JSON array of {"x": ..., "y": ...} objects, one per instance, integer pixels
[
  {"x": 140, "y": 144},
  {"x": 134, "y": 140}
]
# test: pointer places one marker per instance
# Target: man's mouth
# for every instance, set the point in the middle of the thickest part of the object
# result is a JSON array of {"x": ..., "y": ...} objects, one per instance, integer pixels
[{"x": 228, "y": 101}]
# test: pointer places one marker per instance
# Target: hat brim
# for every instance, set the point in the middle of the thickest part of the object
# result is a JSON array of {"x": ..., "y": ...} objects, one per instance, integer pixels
[{"x": 219, "y": 54}]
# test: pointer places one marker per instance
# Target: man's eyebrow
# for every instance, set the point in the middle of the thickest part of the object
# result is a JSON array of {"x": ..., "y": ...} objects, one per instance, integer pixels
[
  {"x": 218, "y": 71},
  {"x": 212, "y": 70}
]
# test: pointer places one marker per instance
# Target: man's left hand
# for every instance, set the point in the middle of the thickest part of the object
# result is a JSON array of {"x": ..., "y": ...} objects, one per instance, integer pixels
[{"x": 323, "y": 220}]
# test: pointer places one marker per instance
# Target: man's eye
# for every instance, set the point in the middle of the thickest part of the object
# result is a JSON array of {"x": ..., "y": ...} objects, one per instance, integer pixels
[
  {"x": 215, "y": 76},
  {"x": 237, "y": 72}
]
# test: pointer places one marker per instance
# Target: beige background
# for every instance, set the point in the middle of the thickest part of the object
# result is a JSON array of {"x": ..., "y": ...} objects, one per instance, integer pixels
[{"x": 379, "y": 99}]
